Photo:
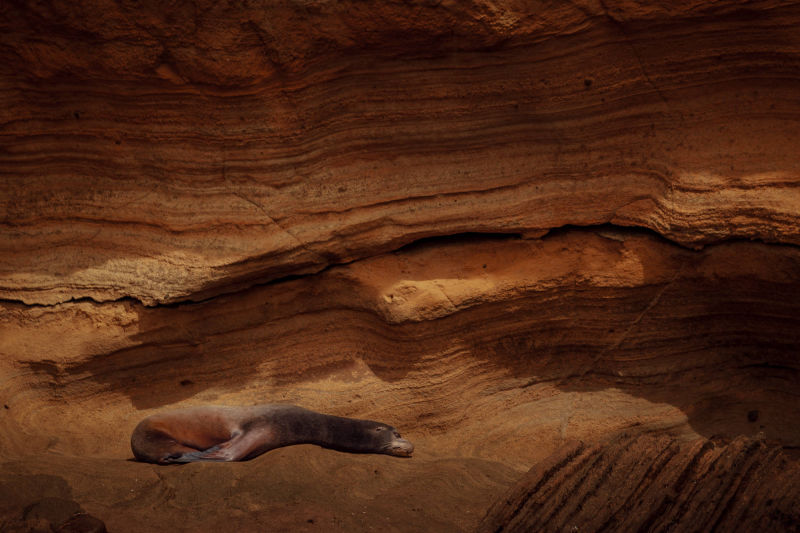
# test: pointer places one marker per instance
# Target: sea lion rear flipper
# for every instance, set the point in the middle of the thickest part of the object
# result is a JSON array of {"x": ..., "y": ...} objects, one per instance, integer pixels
[
  {"x": 234, "y": 449},
  {"x": 215, "y": 453}
]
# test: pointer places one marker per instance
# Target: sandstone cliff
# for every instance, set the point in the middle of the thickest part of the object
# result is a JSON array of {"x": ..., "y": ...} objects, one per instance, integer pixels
[{"x": 501, "y": 226}]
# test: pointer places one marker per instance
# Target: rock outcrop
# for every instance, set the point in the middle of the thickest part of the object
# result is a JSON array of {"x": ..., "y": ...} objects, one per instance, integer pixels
[
  {"x": 647, "y": 483},
  {"x": 500, "y": 226}
]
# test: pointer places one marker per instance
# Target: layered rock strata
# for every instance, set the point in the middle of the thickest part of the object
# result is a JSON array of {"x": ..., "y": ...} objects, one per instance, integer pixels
[
  {"x": 480, "y": 319},
  {"x": 171, "y": 153},
  {"x": 501, "y": 226},
  {"x": 488, "y": 352},
  {"x": 648, "y": 483}
]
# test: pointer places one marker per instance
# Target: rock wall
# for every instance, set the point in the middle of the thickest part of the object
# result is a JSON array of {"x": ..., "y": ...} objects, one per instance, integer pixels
[
  {"x": 500, "y": 226},
  {"x": 171, "y": 153}
]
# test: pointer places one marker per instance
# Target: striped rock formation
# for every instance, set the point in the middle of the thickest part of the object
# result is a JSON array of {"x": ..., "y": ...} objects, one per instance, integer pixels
[
  {"x": 500, "y": 226},
  {"x": 170, "y": 153},
  {"x": 647, "y": 483}
]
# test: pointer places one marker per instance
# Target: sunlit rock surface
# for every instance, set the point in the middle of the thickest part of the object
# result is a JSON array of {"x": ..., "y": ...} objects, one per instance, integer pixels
[{"x": 500, "y": 226}]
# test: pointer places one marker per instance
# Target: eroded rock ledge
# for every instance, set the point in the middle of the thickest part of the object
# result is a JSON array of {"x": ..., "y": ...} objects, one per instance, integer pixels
[{"x": 163, "y": 152}]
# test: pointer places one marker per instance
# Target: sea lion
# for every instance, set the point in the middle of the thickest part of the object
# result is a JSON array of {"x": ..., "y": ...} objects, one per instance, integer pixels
[{"x": 217, "y": 433}]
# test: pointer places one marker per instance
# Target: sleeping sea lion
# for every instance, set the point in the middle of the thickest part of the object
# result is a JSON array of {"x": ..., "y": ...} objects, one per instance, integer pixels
[{"x": 216, "y": 433}]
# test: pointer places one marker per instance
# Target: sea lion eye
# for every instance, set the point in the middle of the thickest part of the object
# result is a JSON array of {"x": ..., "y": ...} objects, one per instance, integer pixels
[
  {"x": 381, "y": 428},
  {"x": 396, "y": 435}
]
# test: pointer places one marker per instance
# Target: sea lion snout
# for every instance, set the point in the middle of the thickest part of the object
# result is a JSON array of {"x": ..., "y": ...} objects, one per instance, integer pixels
[{"x": 401, "y": 448}]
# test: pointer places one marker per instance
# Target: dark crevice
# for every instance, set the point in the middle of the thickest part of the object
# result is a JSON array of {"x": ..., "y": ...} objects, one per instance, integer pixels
[
  {"x": 82, "y": 299},
  {"x": 468, "y": 237}
]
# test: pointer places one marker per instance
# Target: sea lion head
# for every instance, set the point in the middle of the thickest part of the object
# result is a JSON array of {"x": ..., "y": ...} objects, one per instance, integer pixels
[{"x": 390, "y": 442}]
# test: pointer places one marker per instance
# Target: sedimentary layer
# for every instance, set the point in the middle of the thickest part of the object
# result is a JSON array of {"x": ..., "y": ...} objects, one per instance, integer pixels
[
  {"x": 166, "y": 153},
  {"x": 476, "y": 319},
  {"x": 487, "y": 352},
  {"x": 647, "y": 483},
  {"x": 500, "y": 226}
]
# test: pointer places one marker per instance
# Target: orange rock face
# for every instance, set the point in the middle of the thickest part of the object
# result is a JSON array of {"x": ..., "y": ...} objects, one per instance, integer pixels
[
  {"x": 499, "y": 226},
  {"x": 166, "y": 154}
]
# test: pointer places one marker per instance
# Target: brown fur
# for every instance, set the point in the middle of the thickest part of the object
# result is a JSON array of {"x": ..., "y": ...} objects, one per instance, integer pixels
[{"x": 215, "y": 433}]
